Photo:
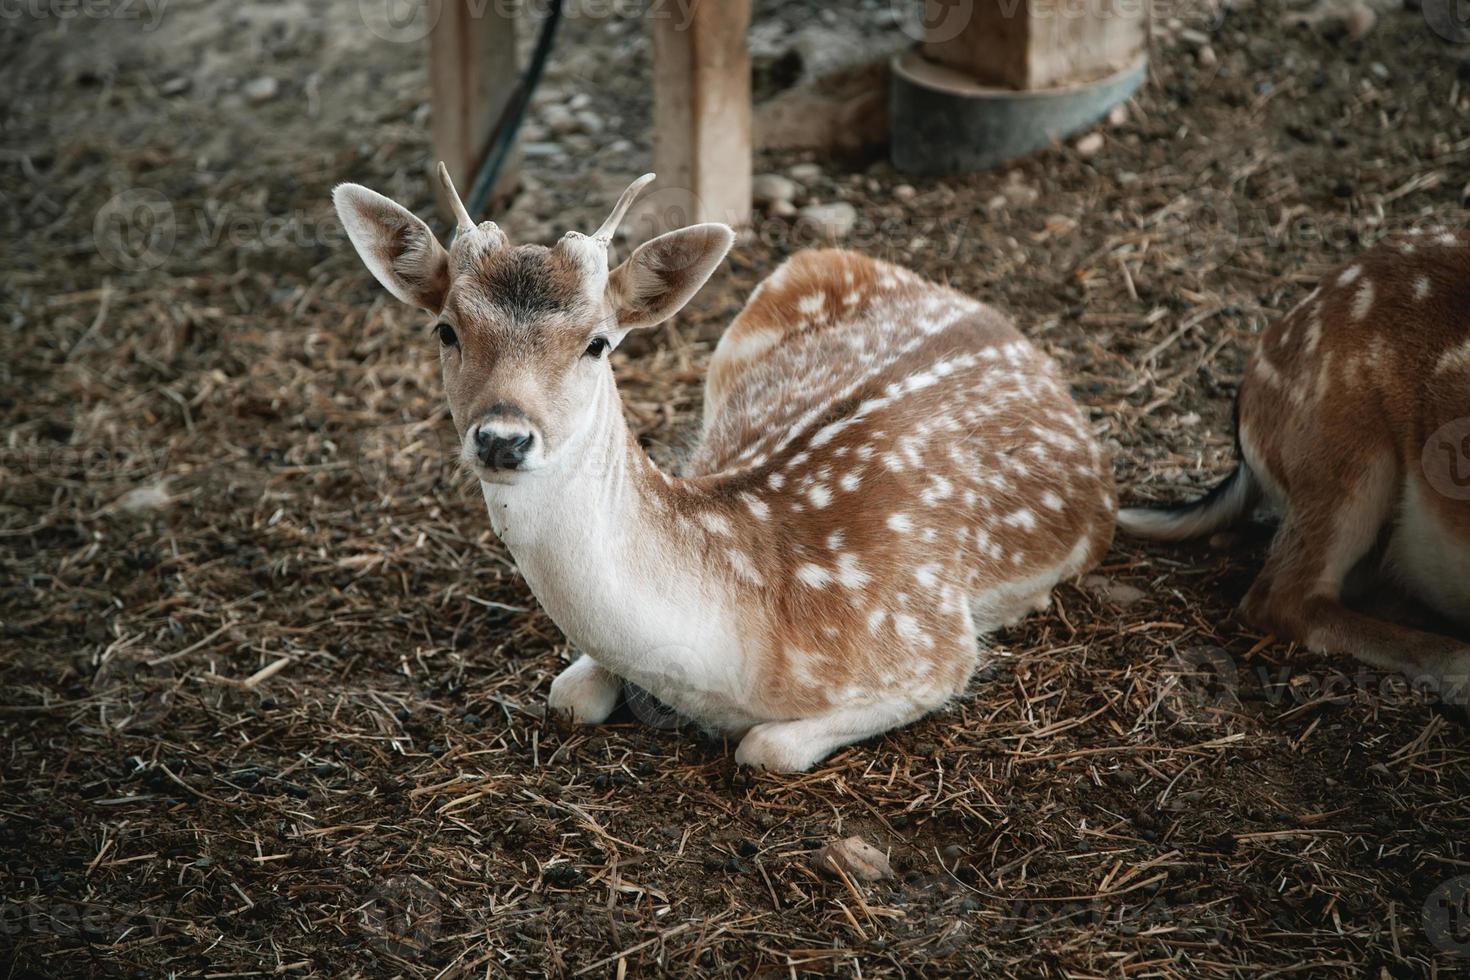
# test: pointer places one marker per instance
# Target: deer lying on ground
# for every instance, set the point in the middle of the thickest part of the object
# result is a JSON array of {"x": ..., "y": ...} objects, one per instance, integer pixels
[
  {"x": 1354, "y": 422},
  {"x": 888, "y": 468}
]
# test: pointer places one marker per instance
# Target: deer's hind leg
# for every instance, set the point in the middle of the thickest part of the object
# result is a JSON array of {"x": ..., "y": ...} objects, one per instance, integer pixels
[
  {"x": 796, "y": 746},
  {"x": 898, "y": 685},
  {"x": 1298, "y": 594}
]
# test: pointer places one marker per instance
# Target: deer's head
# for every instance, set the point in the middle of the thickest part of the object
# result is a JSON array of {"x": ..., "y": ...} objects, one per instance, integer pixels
[{"x": 524, "y": 331}]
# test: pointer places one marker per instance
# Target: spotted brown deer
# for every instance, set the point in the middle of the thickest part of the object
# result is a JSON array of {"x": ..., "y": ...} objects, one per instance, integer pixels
[
  {"x": 1354, "y": 423},
  {"x": 887, "y": 469}
]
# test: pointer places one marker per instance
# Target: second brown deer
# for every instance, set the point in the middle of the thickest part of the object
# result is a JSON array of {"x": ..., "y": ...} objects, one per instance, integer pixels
[{"x": 1354, "y": 423}]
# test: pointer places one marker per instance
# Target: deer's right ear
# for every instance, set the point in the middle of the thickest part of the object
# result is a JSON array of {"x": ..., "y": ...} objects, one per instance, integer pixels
[{"x": 398, "y": 249}]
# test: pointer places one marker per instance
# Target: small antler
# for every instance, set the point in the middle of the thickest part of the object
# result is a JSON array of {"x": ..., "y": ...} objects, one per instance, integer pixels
[
  {"x": 461, "y": 214},
  {"x": 610, "y": 226}
]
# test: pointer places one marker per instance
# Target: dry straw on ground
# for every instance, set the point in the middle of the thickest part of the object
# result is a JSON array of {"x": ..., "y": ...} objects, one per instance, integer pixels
[{"x": 272, "y": 692}]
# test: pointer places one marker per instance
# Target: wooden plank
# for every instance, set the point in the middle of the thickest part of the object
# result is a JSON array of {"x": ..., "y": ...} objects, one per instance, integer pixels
[
  {"x": 472, "y": 71},
  {"x": 701, "y": 115},
  {"x": 1067, "y": 49},
  {"x": 1036, "y": 44}
]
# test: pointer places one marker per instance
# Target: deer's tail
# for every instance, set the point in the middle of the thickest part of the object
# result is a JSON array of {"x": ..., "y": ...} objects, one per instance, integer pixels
[{"x": 1231, "y": 499}]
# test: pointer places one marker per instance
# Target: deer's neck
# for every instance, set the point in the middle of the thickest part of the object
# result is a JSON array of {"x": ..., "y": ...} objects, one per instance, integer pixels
[{"x": 595, "y": 537}]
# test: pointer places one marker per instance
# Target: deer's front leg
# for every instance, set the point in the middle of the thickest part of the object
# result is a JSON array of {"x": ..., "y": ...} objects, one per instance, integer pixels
[{"x": 586, "y": 692}]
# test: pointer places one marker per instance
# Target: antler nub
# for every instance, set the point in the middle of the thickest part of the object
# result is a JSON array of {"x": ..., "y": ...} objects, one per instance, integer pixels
[{"x": 461, "y": 214}]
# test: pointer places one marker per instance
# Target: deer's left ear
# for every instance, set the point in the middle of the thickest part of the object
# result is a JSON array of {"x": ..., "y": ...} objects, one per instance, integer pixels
[
  {"x": 398, "y": 249},
  {"x": 663, "y": 274}
]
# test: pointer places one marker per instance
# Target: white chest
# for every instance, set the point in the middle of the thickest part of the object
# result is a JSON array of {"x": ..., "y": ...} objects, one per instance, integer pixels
[{"x": 629, "y": 603}]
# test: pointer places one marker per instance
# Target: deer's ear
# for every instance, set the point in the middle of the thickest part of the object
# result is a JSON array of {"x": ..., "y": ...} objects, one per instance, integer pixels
[
  {"x": 398, "y": 249},
  {"x": 663, "y": 274}
]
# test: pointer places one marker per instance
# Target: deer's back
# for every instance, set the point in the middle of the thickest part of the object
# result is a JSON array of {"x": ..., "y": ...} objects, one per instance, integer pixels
[{"x": 857, "y": 399}]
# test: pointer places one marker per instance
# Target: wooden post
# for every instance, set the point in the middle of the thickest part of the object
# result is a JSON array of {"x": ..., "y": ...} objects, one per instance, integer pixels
[
  {"x": 472, "y": 70},
  {"x": 1036, "y": 44},
  {"x": 994, "y": 80},
  {"x": 701, "y": 113}
]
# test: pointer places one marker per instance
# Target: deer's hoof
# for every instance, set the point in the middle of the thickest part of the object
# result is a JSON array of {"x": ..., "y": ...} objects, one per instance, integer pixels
[{"x": 585, "y": 692}]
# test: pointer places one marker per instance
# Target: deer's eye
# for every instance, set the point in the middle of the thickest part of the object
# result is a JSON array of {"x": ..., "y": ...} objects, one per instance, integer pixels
[
  {"x": 597, "y": 347},
  {"x": 446, "y": 333}
]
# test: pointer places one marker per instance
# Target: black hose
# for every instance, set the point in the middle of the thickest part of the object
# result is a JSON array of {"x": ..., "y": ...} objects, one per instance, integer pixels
[{"x": 503, "y": 136}]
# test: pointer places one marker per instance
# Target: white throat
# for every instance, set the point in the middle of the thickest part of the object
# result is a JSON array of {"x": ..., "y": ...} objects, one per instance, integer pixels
[{"x": 629, "y": 590}]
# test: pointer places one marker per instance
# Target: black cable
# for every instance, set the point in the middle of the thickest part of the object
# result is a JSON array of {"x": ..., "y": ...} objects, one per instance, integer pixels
[{"x": 503, "y": 136}]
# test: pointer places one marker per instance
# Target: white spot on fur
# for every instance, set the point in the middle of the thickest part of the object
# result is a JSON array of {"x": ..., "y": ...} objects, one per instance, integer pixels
[
  {"x": 850, "y": 573},
  {"x": 939, "y": 488},
  {"x": 1362, "y": 300},
  {"x": 1454, "y": 359},
  {"x": 875, "y": 620},
  {"x": 1314, "y": 333},
  {"x": 746, "y": 344},
  {"x": 1022, "y": 518},
  {"x": 900, "y": 523},
  {"x": 740, "y": 561},
  {"x": 1421, "y": 289},
  {"x": 1349, "y": 275},
  {"x": 814, "y": 575},
  {"x": 907, "y": 628},
  {"x": 715, "y": 523},
  {"x": 758, "y": 507}
]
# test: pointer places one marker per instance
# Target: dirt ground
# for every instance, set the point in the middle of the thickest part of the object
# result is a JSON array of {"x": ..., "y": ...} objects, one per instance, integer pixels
[{"x": 272, "y": 693}]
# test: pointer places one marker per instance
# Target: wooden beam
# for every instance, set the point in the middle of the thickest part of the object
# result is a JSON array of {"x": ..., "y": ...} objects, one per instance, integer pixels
[
  {"x": 701, "y": 114},
  {"x": 472, "y": 70}
]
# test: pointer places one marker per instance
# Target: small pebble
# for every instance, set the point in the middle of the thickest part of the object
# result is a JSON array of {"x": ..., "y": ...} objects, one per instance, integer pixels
[
  {"x": 833, "y": 220},
  {"x": 262, "y": 89},
  {"x": 766, "y": 189},
  {"x": 560, "y": 120},
  {"x": 856, "y": 857}
]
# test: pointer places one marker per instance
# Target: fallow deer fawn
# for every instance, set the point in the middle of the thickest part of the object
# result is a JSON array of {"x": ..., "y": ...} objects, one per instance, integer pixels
[
  {"x": 1354, "y": 422},
  {"x": 888, "y": 468}
]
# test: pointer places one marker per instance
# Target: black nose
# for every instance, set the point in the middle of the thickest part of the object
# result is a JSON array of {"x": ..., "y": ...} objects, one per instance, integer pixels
[{"x": 502, "y": 450}]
